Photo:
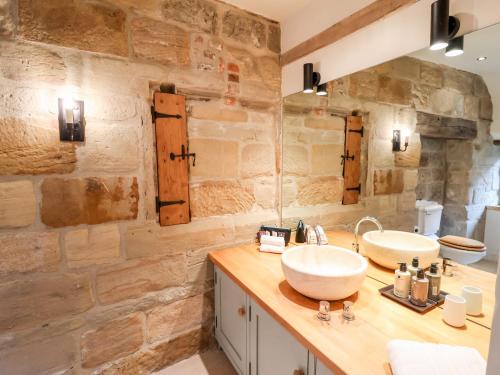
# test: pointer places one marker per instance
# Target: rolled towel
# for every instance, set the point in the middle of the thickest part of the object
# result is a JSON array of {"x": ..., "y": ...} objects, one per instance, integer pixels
[
  {"x": 417, "y": 358},
  {"x": 272, "y": 249},
  {"x": 272, "y": 240}
]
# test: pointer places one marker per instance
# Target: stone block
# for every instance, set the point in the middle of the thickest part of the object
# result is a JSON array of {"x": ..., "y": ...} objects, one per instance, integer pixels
[
  {"x": 214, "y": 158},
  {"x": 218, "y": 113},
  {"x": 28, "y": 252},
  {"x": 410, "y": 179},
  {"x": 325, "y": 160},
  {"x": 220, "y": 198},
  {"x": 7, "y": 18},
  {"x": 94, "y": 245},
  {"x": 431, "y": 74},
  {"x": 480, "y": 88},
  {"x": 118, "y": 338},
  {"x": 407, "y": 201},
  {"x": 53, "y": 356},
  {"x": 447, "y": 102},
  {"x": 91, "y": 200},
  {"x": 394, "y": 90},
  {"x": 159, "y": 42},
  {"x": 388, "y": 181},
  {"x": 17, "y": 204},
  {"x": 265, "y": 193},
  {"x": 459, "y": 80},
  {"x": 295, "y": 160},
  {"x": 135, "y": 278},
  {"x": 274, "y": 38},
  {"x": 411, "y": 157},
  {"x": 320, "y": 190},
  {"x": 403, "y": 67},
  {"x": 244, "y": 29},
  {"x": 382, "y": 154},
  {"x": 111, "y": 148},
  {"x": 471, "y": 107},
  {"x": 363, "y": 85},
  {"x": 149, "y": 240},
  {"x": 170, "y": 320},
  {"x": 33, "y": 147},
  {"x": 328, "y": 123},
  {"x": 486, "y": 108},
  {"x": 43, "y": 65},
  {"x": 257, "y": 160},
  {"x": 158, "y": 356},
  {"x": 62, "y": 295},
  {"x": 436, "y": 126},
  {"x": 95, "y": 27},
  {"x": 199, "y": 14}
]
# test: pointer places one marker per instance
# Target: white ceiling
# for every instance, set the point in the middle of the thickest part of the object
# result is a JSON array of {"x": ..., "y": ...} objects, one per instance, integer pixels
[
  {"x": 278, "y": 10},
  {"x": 479, "y": 43}
]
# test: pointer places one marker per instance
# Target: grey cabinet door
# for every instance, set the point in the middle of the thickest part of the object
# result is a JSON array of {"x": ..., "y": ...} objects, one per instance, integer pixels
[
  {"x": 273, "y": 351},
  {"x": 231, "y": 306}
]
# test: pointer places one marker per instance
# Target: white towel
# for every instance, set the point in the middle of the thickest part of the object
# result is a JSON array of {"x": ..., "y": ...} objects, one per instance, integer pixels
[
  {"x": 417, "y": 358},
  {"x": 272, "y": 249},
  {"x": 272, "y": 240}
]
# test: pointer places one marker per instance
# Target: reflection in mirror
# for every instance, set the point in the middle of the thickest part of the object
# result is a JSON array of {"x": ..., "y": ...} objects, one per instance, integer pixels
[{"x": 445, "y": 109}]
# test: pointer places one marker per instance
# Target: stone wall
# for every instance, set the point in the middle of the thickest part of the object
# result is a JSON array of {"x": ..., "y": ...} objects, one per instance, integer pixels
[
  {"x": 391, "y": 96},
  {"x": 89, "y": 282}
]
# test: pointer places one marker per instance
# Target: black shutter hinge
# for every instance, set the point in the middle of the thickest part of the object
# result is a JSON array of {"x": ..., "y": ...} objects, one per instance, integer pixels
[
  {"x": 358, "y": 189},
  {"x": 155, "y": 115},
  {"x": 160, "y": 204},
  {"x": 360, "y": 131}
]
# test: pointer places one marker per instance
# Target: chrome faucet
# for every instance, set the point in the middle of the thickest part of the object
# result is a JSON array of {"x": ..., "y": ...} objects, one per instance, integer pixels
[{"x": 356, "y": 230}]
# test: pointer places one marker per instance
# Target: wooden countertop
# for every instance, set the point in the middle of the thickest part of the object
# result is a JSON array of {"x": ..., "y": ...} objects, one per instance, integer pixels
[{"x": 357, "y": 347}]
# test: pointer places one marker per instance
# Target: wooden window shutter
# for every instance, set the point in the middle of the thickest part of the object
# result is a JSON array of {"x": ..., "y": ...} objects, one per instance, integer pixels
[
  {"x": 173, "y": 161},
  {"x": 352, "y": 159}
]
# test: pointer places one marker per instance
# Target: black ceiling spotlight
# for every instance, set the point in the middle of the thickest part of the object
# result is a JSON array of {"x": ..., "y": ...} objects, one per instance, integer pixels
[
  {"x": 311, "y": 78},
  {"x": 456, "y": 47},
  {"x": 443, "y": 26},
  {"x": 321, "y": 91}
]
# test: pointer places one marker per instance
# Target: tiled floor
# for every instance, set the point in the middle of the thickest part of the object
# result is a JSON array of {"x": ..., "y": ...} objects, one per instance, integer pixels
[{"x": 212, "y": 362}]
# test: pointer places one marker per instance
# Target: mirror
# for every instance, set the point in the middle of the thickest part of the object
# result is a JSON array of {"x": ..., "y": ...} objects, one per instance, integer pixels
[{"x": 447, "y": 110}]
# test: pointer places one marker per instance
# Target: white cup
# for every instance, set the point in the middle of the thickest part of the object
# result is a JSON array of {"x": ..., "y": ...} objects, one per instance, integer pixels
[
  {"x": 474, "y": 300},
  {"x": 454, "y": 310}
]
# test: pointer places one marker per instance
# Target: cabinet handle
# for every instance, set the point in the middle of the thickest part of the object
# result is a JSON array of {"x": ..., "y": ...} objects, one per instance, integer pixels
[
  {"x": 298, "y": 372},
  {"x": 241, "y": 311}
]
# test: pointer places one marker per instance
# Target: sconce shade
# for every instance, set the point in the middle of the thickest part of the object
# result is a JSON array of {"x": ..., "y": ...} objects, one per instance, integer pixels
[
  {"x": 311, "y": 78},
  {"x": 321, "y": 91},
  {"x": 71, "y": 120},
  {"x": 456, "y": 47},
  {"x": 440, "y": 13}
]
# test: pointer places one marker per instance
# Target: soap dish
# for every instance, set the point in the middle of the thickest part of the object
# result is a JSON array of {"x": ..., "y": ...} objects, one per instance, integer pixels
[{"x": 388, "y": 291}]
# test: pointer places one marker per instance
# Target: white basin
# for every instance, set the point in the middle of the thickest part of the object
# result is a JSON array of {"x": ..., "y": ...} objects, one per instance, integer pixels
[
  {"x": 324, "y": 272},
  {"x": 390, "y": 247}
]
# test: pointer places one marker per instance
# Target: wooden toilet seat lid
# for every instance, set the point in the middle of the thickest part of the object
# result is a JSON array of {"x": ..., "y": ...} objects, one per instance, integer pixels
[{"x": 462, "y": 243}]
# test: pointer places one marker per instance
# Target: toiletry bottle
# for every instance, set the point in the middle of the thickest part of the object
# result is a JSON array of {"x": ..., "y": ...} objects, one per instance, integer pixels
[
  {"x": 413, "y": 268},
  {"x": 419, "y": 289},
  {"x": 434, "y": 277},
  {"x": 402, "y": 281}
]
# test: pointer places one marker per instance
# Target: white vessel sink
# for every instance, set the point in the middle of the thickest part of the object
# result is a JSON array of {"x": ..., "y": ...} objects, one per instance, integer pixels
[
  {"x": 324, "y": 272},
  {"x": 390, "y": 247}
]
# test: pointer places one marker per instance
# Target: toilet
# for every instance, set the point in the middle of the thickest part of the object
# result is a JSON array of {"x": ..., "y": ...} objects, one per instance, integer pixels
[{"x": 428, "y": 224}]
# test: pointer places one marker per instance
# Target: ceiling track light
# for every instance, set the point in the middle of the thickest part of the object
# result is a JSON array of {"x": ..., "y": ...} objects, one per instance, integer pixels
[
  {"x": 321, "y": 91},
  {"x": 311, "y": 78},
  {"x": 443, "y": 26},
  {"x": 456, "y": 47}
]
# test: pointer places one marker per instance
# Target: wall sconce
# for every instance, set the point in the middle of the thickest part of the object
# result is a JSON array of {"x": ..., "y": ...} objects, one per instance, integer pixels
[
  {"x": 311, "y": 78},
  {"x": 71, "y": 121},
  {"x": 443, "y": 26},
  {"x": 456, "y": 47},
  {"x": 321, "y": 91},
  {"x": 396, "y": 141}
]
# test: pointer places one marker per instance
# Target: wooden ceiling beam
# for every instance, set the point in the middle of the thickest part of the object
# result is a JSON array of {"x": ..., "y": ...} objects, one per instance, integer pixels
[{"x": 356, "y": 21}]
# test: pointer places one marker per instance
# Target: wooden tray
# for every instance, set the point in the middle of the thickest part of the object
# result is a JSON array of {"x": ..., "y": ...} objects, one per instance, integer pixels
[{"x": 388, "y": 291}]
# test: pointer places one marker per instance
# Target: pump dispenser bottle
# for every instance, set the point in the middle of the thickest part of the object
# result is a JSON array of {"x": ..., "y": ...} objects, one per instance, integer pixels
[
  {"x": 419, "y": 288},
  {"x": 402, "y": 280},
  {"x": 434, "y": 277},
  {"x": 413, "y": 268}
]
